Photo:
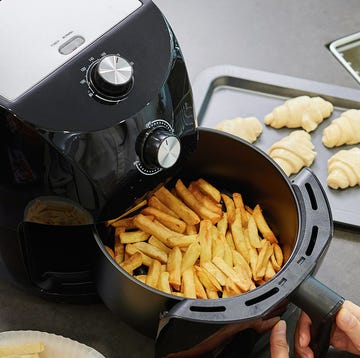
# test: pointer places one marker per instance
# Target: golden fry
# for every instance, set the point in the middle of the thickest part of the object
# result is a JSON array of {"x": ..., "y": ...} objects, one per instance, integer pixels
[
  {"x": 229, "y": 239},
  {"x": 239, "y": 204},
  {"x": 228, "y": 257},
  {"x": 119, "y": 250},
  {"x": 130, "y": 250},
  {"x": 239, "y": 260},
  {"x": 132, "y": 263},
  {"x": 209, "y": 189},
  {"x": 238, "y": 236},
  {"x": 269, "y": 272},
  {"x": 278, "y": 254},
  {"x": 159, "y": 244},
  {"x": 218, "y": 248},
  {"x": 253, "y": 260},
  {"x": 176, "y": 205},
  {"x": 169, "y": 221},
  {"x": 262, "y": 225},
  {"x": 241, "y": 283},
  {"x": 228, "y": 292},
  {"x": 153, "y": 274},
  {"x": 181, "y": 241},
  {"x": 189, "y": 199},
  {"x": 264, "y": 257},
  {"x": 129, "y": 237},
  {"x": 205, "y": 240},
  {"x": 188, "y": 283},
  {"x": 154, "y": 202},
  {"x": 199, "y": 288},
  {"x": 232, "y": 288},
  {"x": 207, "y": 279},
  {"x": 152, "y": 251},
  {"x": 163, "y": 283},
  {"x": 212, "y": 294},
  {"x": 154, "y": 227},
  {"x": 215, "y": 271},
  {"x": 191, "y": 255},
  {"x": 174, "y": 268},
  {"x": 126, "y": 223},
  {"x": 207, "y": 201},
  {"x": 244, "y": 274},
  {"x": 222, "y": 224},
  {"x": 230, "y": 207},
  {"x": 253, "y": 233}
]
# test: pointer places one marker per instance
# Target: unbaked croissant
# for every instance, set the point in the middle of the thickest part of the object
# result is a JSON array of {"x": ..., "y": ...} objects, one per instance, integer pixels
[
  {"x": 300, "y": 112},
  {"x": 248, "y": 128},
  {"x": 293, "y": 151},
  {"x": 344, "y": 169},
  {"x": 343, "y": 130}
]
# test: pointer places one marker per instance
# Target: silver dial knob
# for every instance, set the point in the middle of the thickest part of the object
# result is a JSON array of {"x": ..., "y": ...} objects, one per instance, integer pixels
[
  {"x": 168, "y": 152},
  {"x": 112, "y": 76},
  {"x": 158, "y": 148}
]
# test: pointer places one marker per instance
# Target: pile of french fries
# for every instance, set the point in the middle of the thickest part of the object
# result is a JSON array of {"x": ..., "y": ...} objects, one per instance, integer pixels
[{"x": 196, "y": 242}]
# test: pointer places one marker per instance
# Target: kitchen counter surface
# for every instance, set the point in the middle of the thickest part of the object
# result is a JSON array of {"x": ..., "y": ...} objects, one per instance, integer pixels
[{"x": 282, "y": 36}]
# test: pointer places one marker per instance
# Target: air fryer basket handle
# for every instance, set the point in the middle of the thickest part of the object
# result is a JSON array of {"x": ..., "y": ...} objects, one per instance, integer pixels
[
  {"x": 317, "y": 300},
  {"x": 321, "y": 304}
]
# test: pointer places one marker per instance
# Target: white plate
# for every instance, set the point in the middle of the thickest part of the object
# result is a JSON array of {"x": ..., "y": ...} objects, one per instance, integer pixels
[{"x": 55, "y": 346}]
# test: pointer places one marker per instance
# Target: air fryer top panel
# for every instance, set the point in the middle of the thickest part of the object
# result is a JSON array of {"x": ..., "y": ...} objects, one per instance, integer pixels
[
  {"x": 76, "y": 96},
  {"x": 38, "y": 36}
]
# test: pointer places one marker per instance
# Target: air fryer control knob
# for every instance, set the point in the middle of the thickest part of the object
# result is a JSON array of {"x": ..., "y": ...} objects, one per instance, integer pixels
[
  {"x": 112, "y": 76},
  {"x": 159, "y": 148}
]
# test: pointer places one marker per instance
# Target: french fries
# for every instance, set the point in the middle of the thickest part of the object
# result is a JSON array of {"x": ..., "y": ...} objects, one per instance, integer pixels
[
  {"x": 29, "y": 349},
  {"x": 197, "y": 242}
]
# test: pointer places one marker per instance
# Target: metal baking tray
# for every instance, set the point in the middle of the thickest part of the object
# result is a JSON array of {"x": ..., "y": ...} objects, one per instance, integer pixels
[{"x": 228, "y": 91}]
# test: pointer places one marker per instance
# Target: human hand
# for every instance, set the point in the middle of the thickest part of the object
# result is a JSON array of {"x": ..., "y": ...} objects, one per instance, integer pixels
[
  {"x": 345, "y": 335},
  {"x": 279, "y": 347}
]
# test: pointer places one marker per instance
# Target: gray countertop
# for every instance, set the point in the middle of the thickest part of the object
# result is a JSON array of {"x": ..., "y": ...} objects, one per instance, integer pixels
[{"x": 282, "y": 36}]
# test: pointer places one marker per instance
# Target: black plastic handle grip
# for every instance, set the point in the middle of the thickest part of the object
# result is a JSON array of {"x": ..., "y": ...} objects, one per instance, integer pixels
[{"x": 321, "y": 304}]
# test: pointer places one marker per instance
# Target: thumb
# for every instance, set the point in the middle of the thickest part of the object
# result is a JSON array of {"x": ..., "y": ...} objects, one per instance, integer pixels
[
  {"x": 349, "y": 324},
  {"x": 278, "y": 345}
]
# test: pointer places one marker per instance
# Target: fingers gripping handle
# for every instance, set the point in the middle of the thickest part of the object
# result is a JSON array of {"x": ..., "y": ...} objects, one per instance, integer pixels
[{"x": 321, "y": 304}]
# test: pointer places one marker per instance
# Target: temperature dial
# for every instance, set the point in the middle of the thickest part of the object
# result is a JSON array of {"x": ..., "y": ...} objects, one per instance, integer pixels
[
  {"x": 112, "y": 77},
  {"x": 158, "y": 148}
]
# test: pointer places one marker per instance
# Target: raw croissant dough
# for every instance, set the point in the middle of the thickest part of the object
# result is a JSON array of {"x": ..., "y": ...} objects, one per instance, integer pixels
[
  {"x": 344, "y": 169},
  {"x": 300, "y": 112},
  {"x": 343, "y": 130},
  {"x": 293, "y": 151},
  {"x": 248, "y": 128}
]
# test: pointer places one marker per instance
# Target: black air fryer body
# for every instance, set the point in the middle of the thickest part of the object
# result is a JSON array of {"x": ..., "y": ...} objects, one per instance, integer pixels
[{"x": 109, "y": 120}]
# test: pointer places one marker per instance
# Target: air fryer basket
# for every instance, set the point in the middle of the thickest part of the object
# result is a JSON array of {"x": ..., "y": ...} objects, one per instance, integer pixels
[{"x": 297, "y": 211}]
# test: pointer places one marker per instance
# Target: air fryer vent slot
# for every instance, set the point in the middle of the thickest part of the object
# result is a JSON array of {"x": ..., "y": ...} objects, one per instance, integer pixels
[
  {"x": 312, "y": 197},
  {"x": 313, "y": 237},
  {"x": 207, "y": 309},
  {"x": 262, "y": 297}
]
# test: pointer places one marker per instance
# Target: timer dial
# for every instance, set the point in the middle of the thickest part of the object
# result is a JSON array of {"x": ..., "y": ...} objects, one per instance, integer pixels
[
  {"x": 112, "y": 77},
  {"x": 158, "y": 148}
]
